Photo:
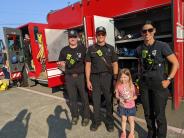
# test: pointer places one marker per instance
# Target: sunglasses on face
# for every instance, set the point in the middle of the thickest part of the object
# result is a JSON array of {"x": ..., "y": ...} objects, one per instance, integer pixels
[
  {"x": 144, "y": 31},
  {"x": 101, "y": 34},
  {"x": 72, "y": 36}
]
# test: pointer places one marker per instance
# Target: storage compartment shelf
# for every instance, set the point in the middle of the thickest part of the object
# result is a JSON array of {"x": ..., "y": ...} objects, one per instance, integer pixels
[
  {"x": 141, "y": 39},
  {"x": 127, "y": 58}
]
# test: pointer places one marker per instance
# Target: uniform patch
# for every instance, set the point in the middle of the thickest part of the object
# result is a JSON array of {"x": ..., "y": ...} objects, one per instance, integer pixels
[
  {"x": 144, "y": 53},
  {"x": 154, "y": 53},
  {"x": 72, "y": 61},
  {"x": 68, "y": 56},
  {"x": 99, "y": 53},
  {"x": 79, "y": 55},
  {"x": 109, "y": 50}
]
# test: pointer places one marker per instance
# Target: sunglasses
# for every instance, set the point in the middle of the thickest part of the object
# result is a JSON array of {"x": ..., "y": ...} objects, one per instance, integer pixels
[
  {"x": 100, "y": 34},
  {"x": 144, "y": 31},
  {"x": 72, "y": 36}
]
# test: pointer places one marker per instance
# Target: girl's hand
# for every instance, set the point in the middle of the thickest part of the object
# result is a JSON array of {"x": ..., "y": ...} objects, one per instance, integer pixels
[
  {"x": 126, "y": 100},
  {"x": 122, "y": 101},
  {"x": 130, "y": 99}
]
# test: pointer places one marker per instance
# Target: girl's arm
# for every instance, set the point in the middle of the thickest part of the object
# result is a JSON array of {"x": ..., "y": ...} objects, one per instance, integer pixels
[
  {"x": 118, "y": 97},
  {"x": 117, "y": 94},
  {"x": 134, "y": 97}
]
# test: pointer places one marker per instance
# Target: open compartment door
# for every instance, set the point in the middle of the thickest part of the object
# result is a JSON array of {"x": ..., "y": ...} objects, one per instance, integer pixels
[
  {"x": 56, "y": 39},
  {"x": 15, "y": 54},
  {"x": 108, "y": 23},
  {"x": 90, "y": 25},
  {"x": 178, "y": 41},
  {"x": 2, "y": 53}
]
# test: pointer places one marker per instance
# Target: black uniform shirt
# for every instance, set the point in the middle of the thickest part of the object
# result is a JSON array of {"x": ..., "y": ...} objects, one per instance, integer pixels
[
  {"x": 27, "y": 49},
  {"x": 158, "y": 51},
  {"x": 97, "y": 64},
  {"x": 77, "y": 54}
]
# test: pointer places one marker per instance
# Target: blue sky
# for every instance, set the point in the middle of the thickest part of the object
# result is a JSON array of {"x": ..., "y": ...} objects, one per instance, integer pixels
[{"x": 19, "y": 12}]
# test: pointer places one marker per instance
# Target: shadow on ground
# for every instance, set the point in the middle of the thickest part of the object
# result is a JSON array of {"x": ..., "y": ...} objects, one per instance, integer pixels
[
  {"x": 58, "y": 125},
  {"x": 18, "y": 127}
]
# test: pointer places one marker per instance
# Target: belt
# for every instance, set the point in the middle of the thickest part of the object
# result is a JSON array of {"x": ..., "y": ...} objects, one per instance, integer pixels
[
  {"x": 101, "y": 73},
  {"x": 74, "y": 75}
]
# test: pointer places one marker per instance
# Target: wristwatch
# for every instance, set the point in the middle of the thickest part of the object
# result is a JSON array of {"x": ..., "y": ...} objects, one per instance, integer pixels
[{"x": 169, "y": 78}]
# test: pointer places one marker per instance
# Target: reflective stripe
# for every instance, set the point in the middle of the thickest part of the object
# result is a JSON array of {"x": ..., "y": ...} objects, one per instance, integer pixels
[
  {"x": 53, "y": 72},
  {"x": 16, "y": 75}
]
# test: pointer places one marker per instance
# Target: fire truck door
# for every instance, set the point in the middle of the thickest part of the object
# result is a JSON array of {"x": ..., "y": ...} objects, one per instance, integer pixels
[
  {"x": 56, "y": 39},
  {"x": 108, "y": 23},
  {"x": 15, "y": 55},
  {"x": 1, "y": 55},
  {"x": 92, "y": 23},
  {"x": 178, "y": 41}
]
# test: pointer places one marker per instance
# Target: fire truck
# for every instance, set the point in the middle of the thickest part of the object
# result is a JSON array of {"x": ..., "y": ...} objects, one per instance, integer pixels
[
  {"x": 2, "y": 55},
  {"x": 123, "y": 21},
  {"x": 27, "y": 51}
]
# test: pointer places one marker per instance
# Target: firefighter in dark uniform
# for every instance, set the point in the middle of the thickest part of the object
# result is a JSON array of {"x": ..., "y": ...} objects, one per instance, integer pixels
[
  {"x": 72, "y": 57},
  {"x": 101, "y": 64},
  {"x": 27, "y": 51},
  {"x": 153, "y": 83}
]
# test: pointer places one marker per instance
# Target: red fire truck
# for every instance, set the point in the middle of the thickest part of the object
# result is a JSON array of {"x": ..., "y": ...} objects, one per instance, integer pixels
[
  {"x": 2, "y": 54},
  {"x": 122, "y": 19},
  {"x": 26, "y": 48},
  {"x": 125, "y": 19}
]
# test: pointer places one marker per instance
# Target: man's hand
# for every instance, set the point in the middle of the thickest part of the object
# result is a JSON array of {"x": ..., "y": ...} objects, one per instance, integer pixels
[
  {"x": 165, "y": 83},
  {"x": 61, "y": 65},
  {"x": 89, "y": 85}
]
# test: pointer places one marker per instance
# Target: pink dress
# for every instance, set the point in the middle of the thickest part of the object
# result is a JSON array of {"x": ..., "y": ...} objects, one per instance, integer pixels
[{"x": 125, "y": 94}]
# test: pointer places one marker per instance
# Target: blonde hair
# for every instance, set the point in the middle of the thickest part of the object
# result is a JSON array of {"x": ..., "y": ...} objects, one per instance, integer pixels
[{"x": 125, "y": 71}]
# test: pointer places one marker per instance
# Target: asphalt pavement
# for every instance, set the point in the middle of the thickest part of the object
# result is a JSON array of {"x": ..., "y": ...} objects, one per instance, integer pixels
[{"x": 36, "y": 112}]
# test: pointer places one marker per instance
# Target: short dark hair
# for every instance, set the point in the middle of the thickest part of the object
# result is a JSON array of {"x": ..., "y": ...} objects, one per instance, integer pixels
[{"x": 149, "y": 22}]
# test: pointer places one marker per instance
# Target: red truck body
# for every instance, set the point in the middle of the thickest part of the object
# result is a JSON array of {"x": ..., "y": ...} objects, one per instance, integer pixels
[
  {"x": 121, "y": 15},
  {"x": 82, "y": 14}
]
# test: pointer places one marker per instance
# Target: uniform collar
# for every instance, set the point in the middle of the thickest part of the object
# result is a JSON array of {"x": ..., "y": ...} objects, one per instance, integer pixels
[
  {"x": 102, "y": 46},
  {"x": 150, "y": 45}
]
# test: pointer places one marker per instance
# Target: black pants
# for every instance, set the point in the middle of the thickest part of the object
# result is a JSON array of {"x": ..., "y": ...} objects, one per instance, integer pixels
[
  {"x": 101, "y": 84},
  {"x": 76, "y": 83},
  {"x": 6, "y": 73},
  {"x": 24, "y": 76},
  {"x": 154, "y": 99}
]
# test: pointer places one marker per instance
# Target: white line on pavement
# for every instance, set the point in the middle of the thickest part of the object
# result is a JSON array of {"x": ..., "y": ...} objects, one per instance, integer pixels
[
  {"x": 43, "y": 94},
  {"x": 175, "y": 129}
]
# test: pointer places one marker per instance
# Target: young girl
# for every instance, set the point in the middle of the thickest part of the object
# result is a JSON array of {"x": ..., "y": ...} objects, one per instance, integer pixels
[{"x": 125, "y": 93}]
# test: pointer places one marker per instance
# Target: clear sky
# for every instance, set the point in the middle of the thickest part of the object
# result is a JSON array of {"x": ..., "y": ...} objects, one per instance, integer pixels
[{"x": 14, "y": 13}]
